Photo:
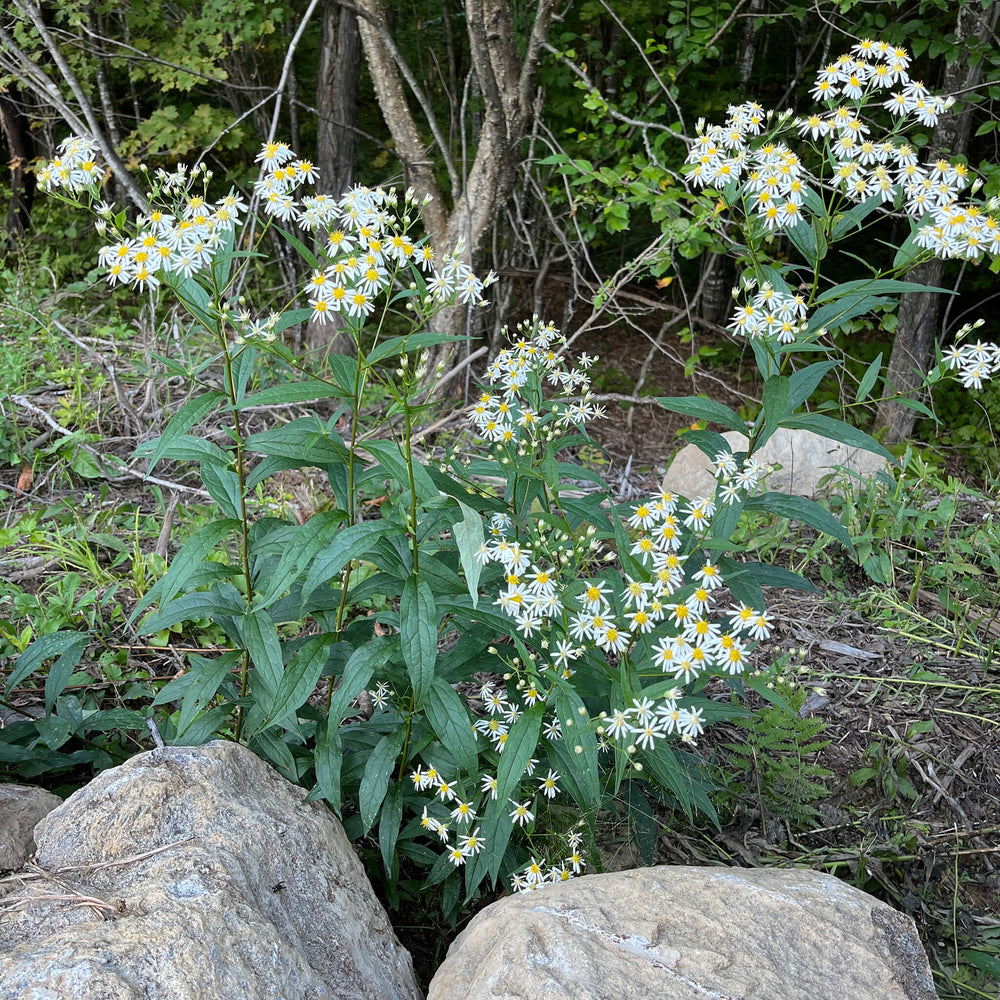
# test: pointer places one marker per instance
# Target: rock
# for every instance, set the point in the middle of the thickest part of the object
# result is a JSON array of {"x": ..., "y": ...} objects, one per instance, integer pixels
[
  {"x": 677, "y": 933},
  {"x": 805, "y": 458},
  {"x": 195, "y": 873},
  {"x": 21, "y": 807}
]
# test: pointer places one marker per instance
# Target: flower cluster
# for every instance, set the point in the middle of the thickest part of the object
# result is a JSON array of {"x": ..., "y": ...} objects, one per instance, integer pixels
[
  {"x": 367, "y": 242},
  {"x": 737, "y": 480},
  {"x": 537, "y": 872},
  {"x": 771, "y": 314},
  {"x": 974, "y": 363},
  {"x": 75, "y": 168},
  {"x": 181, "y": 239},
  {"x": 451, "y": 809},
  {"x": 775, "y": 176},
  {"x": 512, "y": 417},
  {"x": 662, "y": 617},
  {"x": 773, "y": 182}
]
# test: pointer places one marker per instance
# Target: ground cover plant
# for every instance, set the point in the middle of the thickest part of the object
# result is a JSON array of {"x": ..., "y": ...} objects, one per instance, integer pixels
[{"x": 469, "y": 657}]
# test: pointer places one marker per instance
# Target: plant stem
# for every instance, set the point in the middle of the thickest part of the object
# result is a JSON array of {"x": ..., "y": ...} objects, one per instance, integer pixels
[{"x": 231, "y": 392}]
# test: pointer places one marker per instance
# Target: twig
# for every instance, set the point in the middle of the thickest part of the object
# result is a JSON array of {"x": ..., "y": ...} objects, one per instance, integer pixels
[
  {"x": 26, "y": 404},
  {"x": 33, "y": 871},
  {"x": 155, "y": 733}
]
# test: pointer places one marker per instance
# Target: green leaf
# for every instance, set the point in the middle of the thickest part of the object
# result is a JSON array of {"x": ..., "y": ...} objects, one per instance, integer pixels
[
  {"x": 289, "y": 392},
  {"x": 187, "y": 449},
  {"x": 222, "y": 263},
  {"x": 418, "y": 625},
  {"x": 413, "y": 342},
  {"x": 288, "y": 319},
  {"x": 299, "y": 679},
  {"x": 358, "y": 671},
  {"x": 854, "y": 218},
  {"x": 469, "y": 536},
  {"x": 834, "y": 315},
  {"x": 61, "y": 671},
  {"x": 304, "y": 252},
  {"x": 185, "y": 563},
  {"x": 581, "y": 768},
  {"x": 800, "y": 509},
  {"x": 220, "y": 600},
  {"x": 522, "y": 739},
  {"x": 197, "y": 686},
  {"x": 242, "y": 368},
  {"x": 204, "y": 727},
  {"x": 914, "y": 404},
  {"x": 802, "y": 384},
  {"x": 680, "y": 776},
  {"x": 746, "y": 579},
  {"x": 46, "y": 647},
  {"x": 351, "y": 542},
  {"x": 261, "y": 637},
  {"x": 388, "y": 826},
  {"x": 378, "y": 770},
  {"x": 837, "y": 430},
  {"x": 193, "y": 297},
  {"x": 389, "y": 455},
  {"x": 909, "y": 252},
  {"x": 308, "y": 540},
  {"x": 327, "y": 759},
  {"x": 304, "y": 439},
  {"x": 449, "y": 718},
  {"x": 710, "y": 443},
  {"x": 703, "y": 409},
  {"x": 776, "y": 392},
  {"x": 191, "y": 413},
  {"x": 726, "y": 520},
  {"x": 344, "y": 369},
  {"x": 803, "y": 238},
  {"x": 869, "y": 379},
  {"x": 276, "y": 751},
  {"x": 222, "y": 483}
]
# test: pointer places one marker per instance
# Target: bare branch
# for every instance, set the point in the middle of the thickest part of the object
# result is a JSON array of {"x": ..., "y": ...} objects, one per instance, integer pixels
[{"x": 93, "y": 129}]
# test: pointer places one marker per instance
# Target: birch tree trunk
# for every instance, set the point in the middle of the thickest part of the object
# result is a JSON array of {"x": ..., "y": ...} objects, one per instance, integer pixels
[
  {"x": 464, "y": 214},
  {"x": 919, "y": 312}
]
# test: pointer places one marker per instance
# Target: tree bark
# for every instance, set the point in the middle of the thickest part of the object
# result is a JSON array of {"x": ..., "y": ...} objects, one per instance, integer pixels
[
  {"x": 337, "y": 99},
  {"x": 21, "y": 150},
  {"x": 919, "y": 312},
  {"x": 506, "y": 81},
  {"x": 337, "y": 77}
]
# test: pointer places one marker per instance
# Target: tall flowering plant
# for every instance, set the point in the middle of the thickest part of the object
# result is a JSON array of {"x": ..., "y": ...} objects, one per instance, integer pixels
[{"x": 503, "y": 639}]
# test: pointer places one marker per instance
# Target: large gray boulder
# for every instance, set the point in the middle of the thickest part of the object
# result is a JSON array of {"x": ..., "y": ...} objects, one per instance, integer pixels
[
  {"x": 21, "y": 807},
  {"x": 805, "y": 459},
  {"x": 196, "y": 874},
  {"x": 677, "y": 933}
]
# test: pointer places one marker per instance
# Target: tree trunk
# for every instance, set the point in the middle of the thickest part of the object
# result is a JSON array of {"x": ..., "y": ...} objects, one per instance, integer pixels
[
  {"x": 21, "y": 148},
  {"x": 506, "y": 81},
  {"x": 918, "y": 315},
  {"x": 715, "y": 301},
  {"x": 336, "y": 138}
]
